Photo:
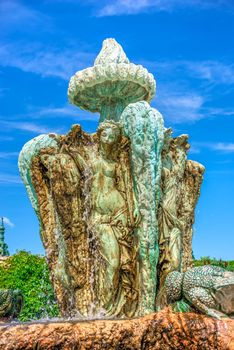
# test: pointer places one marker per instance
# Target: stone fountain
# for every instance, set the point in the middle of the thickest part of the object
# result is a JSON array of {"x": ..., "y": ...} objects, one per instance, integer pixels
[{"x": 116, "y": 210}]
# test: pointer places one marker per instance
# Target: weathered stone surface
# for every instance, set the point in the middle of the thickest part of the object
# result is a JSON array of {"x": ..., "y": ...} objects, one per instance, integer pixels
[
  {"x": 174, "y": 157},
  {"x": 164, "y": 331},
  {"x": 180, "y": 189},
  {"x": 190, "y": 192}
]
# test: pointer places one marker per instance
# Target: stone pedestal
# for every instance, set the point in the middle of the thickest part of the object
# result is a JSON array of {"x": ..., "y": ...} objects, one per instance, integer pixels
[{"x": 163, "y": 331}]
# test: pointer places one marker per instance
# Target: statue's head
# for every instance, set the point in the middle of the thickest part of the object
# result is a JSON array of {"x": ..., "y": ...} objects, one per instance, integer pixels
[
  {"x": 109, "y": 132},
  {"x": 173, "y": 286}
]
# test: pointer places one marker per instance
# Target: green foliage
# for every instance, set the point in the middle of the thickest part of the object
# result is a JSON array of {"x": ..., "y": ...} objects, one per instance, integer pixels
[
  {"x": 206, "y": 260},
  {"x": 30, "y": 274}
]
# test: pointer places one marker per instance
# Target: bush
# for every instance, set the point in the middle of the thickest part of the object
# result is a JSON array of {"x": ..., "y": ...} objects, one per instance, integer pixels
[
  {"x": 206, "y": 260},
  {"x": 30, "y": 274}
]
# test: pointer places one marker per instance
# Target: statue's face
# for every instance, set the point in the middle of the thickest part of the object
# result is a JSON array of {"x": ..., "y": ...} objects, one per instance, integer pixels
[{"x": 108, "y": 136}]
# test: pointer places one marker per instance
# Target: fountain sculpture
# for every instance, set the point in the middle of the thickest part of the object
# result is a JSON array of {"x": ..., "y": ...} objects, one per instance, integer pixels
[{"x": 116, "y": 207}]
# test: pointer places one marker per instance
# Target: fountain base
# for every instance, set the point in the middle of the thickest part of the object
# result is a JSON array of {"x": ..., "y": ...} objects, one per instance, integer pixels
[{"x": 164, "y": 330}]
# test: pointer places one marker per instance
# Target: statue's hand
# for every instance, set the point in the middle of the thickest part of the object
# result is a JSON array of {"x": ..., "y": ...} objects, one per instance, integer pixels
[{"x": 137, "y": 216}]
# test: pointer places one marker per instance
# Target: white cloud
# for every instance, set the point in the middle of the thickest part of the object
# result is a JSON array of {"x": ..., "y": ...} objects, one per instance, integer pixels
[
  {"x": 186, "y": 106},
  {"x": 212, "y": 71},
  {"x": 40, "y": 112},
  {"x": 132, "y": 7},
  {"x": 227, "y": 112},
  {"x": 126, "y": 7},
  {"x": 56, "y": 111},
  {"x": 5, "y": 155},
  {"x": 28, "y": 126},
  {"x": 6, "y": 138},
  {"x": 9, "y": 179},
  {"x": 185, "y": 102},
  {"x": 181, "y": 107},
  {"x": 8, "y": 222},
  {"x": 13, "y": 13},
  {"x": 223, "y": 147},
  {"x": 194, "y": 150},
  {"x": 178, "y": 101},
  {"x": 67, "y": 111},
  {"x": 36, "y": 113},
  {"x": 42, "y": 60}
]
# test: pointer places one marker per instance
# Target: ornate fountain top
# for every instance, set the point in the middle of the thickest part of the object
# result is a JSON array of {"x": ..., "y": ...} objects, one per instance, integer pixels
[{"x": 111, "y": 84}]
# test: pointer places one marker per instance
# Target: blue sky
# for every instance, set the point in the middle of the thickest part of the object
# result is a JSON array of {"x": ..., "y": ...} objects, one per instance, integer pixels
[{"x": 187, "y": 45}]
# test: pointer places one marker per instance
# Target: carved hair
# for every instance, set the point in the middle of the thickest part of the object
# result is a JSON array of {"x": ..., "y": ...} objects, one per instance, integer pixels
[{"x": 110, "y": 124}]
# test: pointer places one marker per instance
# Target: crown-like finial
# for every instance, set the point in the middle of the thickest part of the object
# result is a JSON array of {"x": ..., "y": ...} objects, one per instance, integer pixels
[
  {"x": 111, "y": 52},
  {"x": 111, "y": 84}
]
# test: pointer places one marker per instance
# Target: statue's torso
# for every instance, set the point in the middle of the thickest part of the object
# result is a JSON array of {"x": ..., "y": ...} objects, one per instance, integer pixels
[{"x": 106, "y": 198}]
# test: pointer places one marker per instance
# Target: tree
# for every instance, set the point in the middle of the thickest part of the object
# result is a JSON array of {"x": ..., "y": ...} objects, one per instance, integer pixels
[{"x": 30, "y": 274}]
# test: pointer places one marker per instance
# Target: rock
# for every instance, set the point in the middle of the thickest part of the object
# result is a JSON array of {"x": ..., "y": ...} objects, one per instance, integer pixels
[{"x": 164, "y": 330}]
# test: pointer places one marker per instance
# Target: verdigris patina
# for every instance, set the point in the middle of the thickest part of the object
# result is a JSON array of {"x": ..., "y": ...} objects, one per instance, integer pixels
[
  {"x": 115, "y": 207},
  {"x": 144, "y": 126}
]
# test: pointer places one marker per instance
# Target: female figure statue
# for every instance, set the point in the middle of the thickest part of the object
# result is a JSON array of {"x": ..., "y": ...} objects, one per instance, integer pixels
[
  {"x": 111, "y": 215},
  {"x": 170, "y": 226},
  {"x": 88, "y": 214}
]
